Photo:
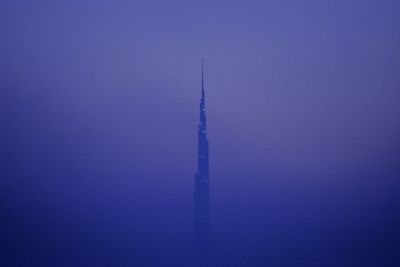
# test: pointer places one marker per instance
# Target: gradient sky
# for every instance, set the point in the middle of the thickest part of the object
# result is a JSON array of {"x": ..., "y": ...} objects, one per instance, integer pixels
[{"x": 99, "y": 112}]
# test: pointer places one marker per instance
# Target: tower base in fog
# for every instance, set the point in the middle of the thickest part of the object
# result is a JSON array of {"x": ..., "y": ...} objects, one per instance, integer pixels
[{"x": 203, "y": 254}]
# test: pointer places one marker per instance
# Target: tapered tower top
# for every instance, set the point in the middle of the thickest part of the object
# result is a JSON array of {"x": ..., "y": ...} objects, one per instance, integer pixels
[
  {"x": 202, "y": 79},
  {"x": 202, "y": 126}
]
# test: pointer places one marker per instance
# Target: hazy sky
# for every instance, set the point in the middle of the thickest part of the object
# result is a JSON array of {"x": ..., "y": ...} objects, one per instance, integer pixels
[{"x": 99, "y": 112}]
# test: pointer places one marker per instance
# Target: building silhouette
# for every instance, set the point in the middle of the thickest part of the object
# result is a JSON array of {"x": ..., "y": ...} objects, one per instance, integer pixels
[{"x": 202, "y": 244}]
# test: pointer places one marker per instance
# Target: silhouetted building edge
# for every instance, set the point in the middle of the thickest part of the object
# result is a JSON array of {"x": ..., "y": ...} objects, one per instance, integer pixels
[{"x": 201, "y": 208}]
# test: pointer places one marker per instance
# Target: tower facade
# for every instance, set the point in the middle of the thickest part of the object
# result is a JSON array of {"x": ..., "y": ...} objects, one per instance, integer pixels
[{"x": 202, "y": 186}]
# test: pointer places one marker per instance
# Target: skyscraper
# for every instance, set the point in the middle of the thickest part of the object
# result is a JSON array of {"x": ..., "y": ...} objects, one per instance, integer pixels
[{"x": 201, "y": 191}]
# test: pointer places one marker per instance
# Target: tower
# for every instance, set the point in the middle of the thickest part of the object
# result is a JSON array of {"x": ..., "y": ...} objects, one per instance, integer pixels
[{"x": 201, "y": 191}]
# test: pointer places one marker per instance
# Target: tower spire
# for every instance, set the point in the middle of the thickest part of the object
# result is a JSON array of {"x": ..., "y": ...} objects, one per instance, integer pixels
[{"x": 202, "y": 78}]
